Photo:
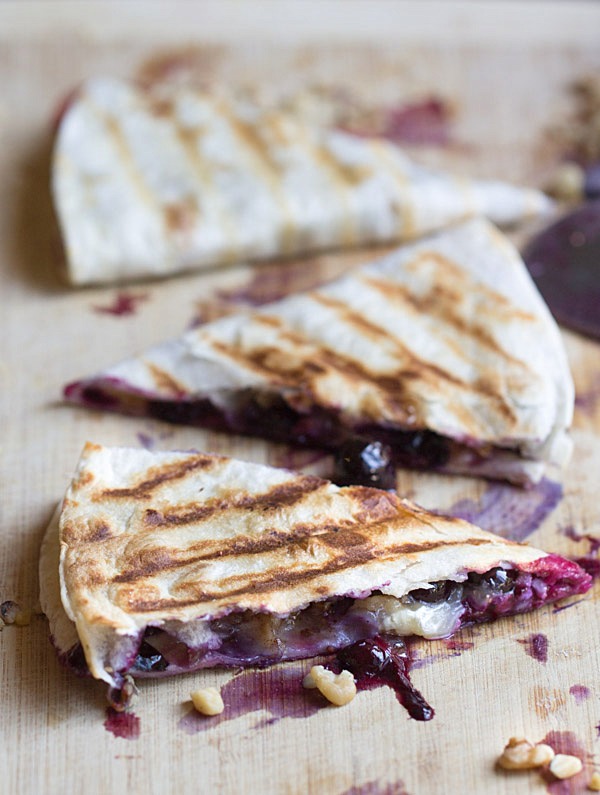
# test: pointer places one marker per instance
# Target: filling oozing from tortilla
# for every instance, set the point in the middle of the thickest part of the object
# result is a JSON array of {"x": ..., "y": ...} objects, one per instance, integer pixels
[
  {"x": 267, "y": 415},
  {"x": 247, "y": 638}
]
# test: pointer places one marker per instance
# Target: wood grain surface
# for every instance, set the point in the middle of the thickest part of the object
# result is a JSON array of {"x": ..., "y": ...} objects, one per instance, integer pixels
[{"x": 505, "y": 68}]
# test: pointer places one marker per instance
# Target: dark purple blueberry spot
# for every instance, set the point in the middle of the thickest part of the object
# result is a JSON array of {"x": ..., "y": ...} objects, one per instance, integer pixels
[
  {"x": 381, "y": 661},
  {"x": 187, "y": 412},
  {"x": 365, "y": 464},
  {"x": 149, "y": 659},
  {"x": 125, "y": 725},
  {"x": 439, "y": 592},
  {"x": 498, "y": 580},
  {"x": 95, "y": 396},
  {"x": 580, "y": 693},
  {"x": 536, "y": 646},
  {"x": 564, "y": 261},
  {"x": 124, "y": 303},
  {"x": 591, "y": 185},
  {"x": 590, "y": 565}
]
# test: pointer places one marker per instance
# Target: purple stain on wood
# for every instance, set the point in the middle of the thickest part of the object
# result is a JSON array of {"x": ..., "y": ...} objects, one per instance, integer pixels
[
  {"x": 377, "y": 788},
  {"x": 125, "y": 725},
  {"x": 560, "y": 608},
  {"x": 580, "y": 693},
  {"x": 420, "y": 123},
  {"x": 588, "y": 401},
  {"x": 277, "y": 690},
  {"x": 590, "y": 565},
  {"x": 298, "y": 458},
  {"x": 146, "y": 440},
  {"x": 536, "y": 646},
  {"x": 424, "y": 123},
  {"x": 509, "y": 511},
  {"x": 123, "y": 304},
  {"x": 458, "y": 646},
  {"x": 568, "y": 743},
  {"x": 574, "y": 535}
]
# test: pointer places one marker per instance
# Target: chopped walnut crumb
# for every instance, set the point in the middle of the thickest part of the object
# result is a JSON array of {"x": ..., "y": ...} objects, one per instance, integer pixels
[
  {"x": 565, "y": 766},
  {"x": 594, "y": 783},
  {"x": 579, "y": 135},
  {"x": 9, "y": 611},
  {"x": 567, "y": 182},
  {"x": 339, "y": 689},
  {"x": 123, "y": 698},
  {"x": 208, "y": 701},
  {"x": 520, "y": 754}
]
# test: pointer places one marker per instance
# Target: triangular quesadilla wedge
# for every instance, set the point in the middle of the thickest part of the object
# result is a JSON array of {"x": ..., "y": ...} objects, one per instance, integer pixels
[
  {"x": 161, "y": 563},
  {"x": 443, "y": 350},
  {"x": 149, "y": 182}
]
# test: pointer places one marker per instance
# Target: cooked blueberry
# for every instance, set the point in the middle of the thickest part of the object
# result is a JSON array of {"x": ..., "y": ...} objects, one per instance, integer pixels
[
  {"x": 497, "y": 579},
  {"x": 365, "y": 658},
  {"x": 365, "y": 463},
  {"x": 437, "y": 593},
  {"x": 149, "y": 659}
]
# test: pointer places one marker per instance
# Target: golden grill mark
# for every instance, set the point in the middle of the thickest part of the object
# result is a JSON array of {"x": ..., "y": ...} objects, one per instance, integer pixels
[
  {"x": 180, "y": 216},
  {"x": 402, "y": 207},
  {"x": 125, "y": 155},
  {"x": 164, "y": 381},
  {"x": 188, "y": 140},
  {"x": 277, "y": 496},
  {"x": 449, "y": 272},
  {"x": 286, "y": 580},
  {"x": 165, "y": 474},
  {"x": 270, "y": 169}
]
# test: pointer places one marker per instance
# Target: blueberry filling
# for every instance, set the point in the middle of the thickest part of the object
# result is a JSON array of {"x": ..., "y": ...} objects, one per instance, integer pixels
[
  {"x": 365, "y": 454},
  {"x": 364, "y": 463},
  {"x": 385, "y": 661},
  {"x": 245, "y": 638},
  {"x": 149, "y": 659}
]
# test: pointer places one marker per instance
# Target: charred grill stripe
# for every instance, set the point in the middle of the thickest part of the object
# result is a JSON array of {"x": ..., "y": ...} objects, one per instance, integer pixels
[
  {"x": 164, "y": 381},
  {"x": 121, "y": 146},
  {"x": 168, "y": 473},
  {"x": 277, "y": 496},
  {"x": 284, "y": 580},
  {"x": 271, "y": 171},
  {"x": 160, "y": 560}
]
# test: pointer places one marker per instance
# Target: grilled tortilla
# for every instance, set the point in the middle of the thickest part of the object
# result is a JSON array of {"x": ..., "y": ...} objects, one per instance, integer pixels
[
  {"x": 159, "y": 563},
  {"x": 443, "y": 350},
  {"x": 152, "y": 182}
]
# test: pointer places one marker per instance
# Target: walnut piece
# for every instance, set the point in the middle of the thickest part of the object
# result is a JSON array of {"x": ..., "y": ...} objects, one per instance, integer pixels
[
  {"x": 520, "y": 754},
  {"x": 594, "y": 783},
  {"x": 339, "y": 689},
  {"x": 565, "y": 766},
  {"x": 207, "y": 701}
]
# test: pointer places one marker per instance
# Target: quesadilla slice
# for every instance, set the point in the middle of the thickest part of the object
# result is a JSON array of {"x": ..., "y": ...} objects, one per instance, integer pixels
[
  {"x": 149, "y": 182},
  {"x": 443, "y": 350},
  {"x": 161, "y": 563}
]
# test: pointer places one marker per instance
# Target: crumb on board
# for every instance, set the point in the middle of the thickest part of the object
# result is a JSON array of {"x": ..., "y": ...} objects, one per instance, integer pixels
[
  {"x": 207, "y": 701},
  {"x": 520, "y": 754},
  {"x": 338, "y": 689},
  {"x": 594, "y": 783},
  {"x": 565, "y": 766},
  {"x": 12, "y": 613}
]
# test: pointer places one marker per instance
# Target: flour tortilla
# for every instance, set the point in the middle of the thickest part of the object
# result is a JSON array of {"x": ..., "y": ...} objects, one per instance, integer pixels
[
  {"x": 156, "y": 181},
  {"x": 171, "y": 540},
  {"x": 448, "y": 335}
]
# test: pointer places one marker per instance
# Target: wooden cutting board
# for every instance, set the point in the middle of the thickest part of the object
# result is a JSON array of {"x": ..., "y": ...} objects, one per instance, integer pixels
[{"x": 504, "y": 69}]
